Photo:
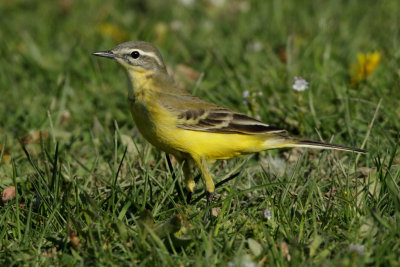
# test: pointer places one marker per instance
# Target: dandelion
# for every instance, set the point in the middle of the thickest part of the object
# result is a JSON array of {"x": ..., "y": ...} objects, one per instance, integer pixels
[
  {"x": 366, "y": 64},
  {"x": 299, "y": 84},
  {"x": 359, "y": 249},
  {"x": 267, "y": 214}
]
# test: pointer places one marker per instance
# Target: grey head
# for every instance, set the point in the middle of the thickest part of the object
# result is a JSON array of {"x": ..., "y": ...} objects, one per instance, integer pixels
[{"x": 136, "y": 56}]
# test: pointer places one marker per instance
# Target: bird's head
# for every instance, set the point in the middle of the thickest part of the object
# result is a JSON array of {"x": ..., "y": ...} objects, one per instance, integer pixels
[{"x": 136, "y": 57}]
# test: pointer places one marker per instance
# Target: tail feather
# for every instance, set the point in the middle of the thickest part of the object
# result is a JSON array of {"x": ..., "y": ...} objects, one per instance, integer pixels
[
  {"x": 321, "y": 145},
  {"x": 279, "y": 141}
]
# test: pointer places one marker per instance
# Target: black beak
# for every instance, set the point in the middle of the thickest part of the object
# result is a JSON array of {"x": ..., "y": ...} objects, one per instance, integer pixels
[{"x": 108, "y": 54}]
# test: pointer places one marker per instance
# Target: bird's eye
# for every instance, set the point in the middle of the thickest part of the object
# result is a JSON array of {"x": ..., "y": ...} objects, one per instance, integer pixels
[{"x": 135, "y": 54}]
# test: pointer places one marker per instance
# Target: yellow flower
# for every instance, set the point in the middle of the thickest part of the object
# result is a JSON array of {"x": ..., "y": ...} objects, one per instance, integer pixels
[
  {"x": 366, "y": 65},
  {"x": 117, "y": 34}
]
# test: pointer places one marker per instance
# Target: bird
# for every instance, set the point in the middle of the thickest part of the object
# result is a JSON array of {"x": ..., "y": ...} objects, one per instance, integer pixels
[{"x": 195, "y": 131}]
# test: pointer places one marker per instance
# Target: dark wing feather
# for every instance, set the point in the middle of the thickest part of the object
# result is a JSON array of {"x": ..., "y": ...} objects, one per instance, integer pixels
[{"x": 223, "y": 121}]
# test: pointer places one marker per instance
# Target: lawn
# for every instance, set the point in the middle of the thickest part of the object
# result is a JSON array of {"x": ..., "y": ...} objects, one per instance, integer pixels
[{"x": 89, "y": 190}]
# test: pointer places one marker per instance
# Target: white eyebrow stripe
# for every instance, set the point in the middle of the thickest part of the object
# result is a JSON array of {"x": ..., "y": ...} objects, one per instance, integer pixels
[{"x": 149, "y": 54}]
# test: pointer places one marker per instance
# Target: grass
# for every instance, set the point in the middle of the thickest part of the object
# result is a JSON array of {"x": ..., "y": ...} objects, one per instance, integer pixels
[{"x": 91, "y": 191}]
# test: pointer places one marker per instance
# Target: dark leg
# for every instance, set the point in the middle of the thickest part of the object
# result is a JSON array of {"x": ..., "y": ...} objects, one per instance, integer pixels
[
  {"x": 210, "y": 197},
  {"x": 188, "y": 196}
]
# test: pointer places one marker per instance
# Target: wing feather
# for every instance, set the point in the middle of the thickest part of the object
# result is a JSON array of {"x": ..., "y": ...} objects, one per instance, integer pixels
[
  {"x": 224, "y": 121},
  {"x": 196, "y": 114}
]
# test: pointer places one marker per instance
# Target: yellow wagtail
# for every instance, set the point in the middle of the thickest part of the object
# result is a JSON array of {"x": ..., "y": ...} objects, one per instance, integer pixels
[{"x": 188, "y": 127}]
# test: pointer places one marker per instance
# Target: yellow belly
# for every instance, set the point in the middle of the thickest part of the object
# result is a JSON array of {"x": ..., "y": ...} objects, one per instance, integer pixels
[
  {"x": 157, "y": 125},
  {"x": 217, "y": 145}
]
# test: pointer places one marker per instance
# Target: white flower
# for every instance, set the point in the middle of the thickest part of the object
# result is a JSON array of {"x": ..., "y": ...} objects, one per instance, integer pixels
[
  {"x": 299, "y": 84},
  {"x": 245, "y": 94},
  {"x": 357, "y": 248},
  {"x": 267, "y": 214}
]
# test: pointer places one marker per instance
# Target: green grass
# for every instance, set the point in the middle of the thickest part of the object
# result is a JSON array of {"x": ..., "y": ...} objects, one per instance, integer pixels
[{"x": 81, "y": 200}]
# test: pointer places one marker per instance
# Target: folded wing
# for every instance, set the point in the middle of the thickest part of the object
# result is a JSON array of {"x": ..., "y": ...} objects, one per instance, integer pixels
[
  {"x": 222, "y": 120},
  {"x": 196, "y": 114}
]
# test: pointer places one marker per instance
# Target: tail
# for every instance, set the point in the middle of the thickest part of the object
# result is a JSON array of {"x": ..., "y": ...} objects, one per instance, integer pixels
[
  {"x": 321, "y": 145},
  {"x": 292, "y": 142}
]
